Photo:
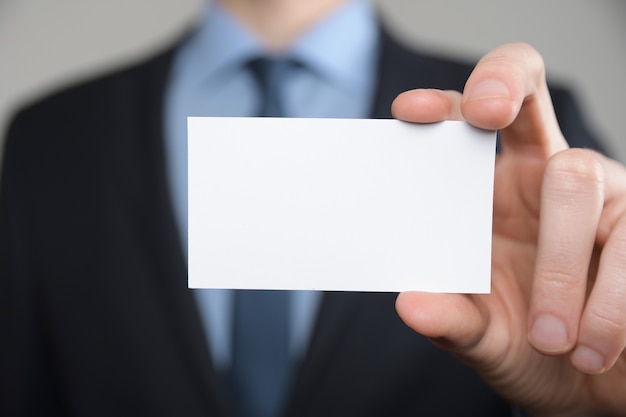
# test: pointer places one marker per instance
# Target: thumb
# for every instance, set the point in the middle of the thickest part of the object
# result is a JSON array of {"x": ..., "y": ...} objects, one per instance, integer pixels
[{"x": 452, "y": 321}]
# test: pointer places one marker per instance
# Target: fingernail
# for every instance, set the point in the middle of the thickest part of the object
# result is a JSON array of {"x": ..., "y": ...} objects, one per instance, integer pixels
[
  {"x": 489, "y": 88},
  {"x": 588, "y": 360},
  {"x": 549, "y": 334}
]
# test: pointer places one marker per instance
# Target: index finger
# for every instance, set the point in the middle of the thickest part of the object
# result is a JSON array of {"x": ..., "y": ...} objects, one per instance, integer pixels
[{"x": 508, "y": 91}]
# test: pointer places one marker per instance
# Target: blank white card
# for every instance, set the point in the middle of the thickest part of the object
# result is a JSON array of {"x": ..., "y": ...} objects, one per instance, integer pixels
[{"x": 337, "y": 204}]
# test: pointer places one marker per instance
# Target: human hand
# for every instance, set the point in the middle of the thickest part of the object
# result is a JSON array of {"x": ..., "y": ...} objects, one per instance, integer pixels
[{"x": 551, "y": 336}]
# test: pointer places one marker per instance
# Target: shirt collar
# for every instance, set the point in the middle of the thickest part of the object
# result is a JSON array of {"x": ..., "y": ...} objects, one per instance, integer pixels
[
  {"x": 219, "y": 45},
  {"x": 342, "y": 45},
  {"x": 336, "y": 49}
]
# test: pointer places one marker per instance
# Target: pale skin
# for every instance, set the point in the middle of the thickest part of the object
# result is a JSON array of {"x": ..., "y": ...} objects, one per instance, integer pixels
[
  {"x": 278, "y": 22},
  {"x": 551, "y": 336}
]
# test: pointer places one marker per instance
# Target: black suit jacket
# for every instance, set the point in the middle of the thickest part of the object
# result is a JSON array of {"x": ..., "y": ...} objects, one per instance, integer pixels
[{"x": 95, "y": 315}]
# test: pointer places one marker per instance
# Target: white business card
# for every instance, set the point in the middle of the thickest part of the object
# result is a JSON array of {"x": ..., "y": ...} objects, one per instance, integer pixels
[{"x": 339, "y": 204}]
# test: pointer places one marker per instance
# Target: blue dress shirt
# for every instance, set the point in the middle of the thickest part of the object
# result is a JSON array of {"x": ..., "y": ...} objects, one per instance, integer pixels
[{"x": 209, "y": 78}]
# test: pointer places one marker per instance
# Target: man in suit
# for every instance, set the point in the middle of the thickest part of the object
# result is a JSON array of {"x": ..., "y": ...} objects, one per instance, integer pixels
[{"x": 95, "y": 315}]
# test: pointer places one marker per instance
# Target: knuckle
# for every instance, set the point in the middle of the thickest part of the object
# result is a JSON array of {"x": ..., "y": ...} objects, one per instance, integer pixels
[
  {"x": 607, "y": 319},
  {"x": 577, "y": 161},
  {"x": 531, "y": 56},
  {"x": 528, "y": 59},
  {"x": 500, "y": 65},
  {"x": 576, "y": 171},
  {"x": 557, "y": 280}
]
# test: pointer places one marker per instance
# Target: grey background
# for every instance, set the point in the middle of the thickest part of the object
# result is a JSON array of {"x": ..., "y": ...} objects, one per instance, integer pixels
[{"x": 45, "y": 44}]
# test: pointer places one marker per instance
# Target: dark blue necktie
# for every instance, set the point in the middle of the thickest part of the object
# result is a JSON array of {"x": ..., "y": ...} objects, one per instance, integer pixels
[
  {"x": 260, "y": 369},
  {"x": 269, "y": 75}
]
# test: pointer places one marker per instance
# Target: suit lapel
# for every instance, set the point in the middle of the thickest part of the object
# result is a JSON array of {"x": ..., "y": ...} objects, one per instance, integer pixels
[
  {"x": 148, "y": 202},
  {"x": 337, "y": 313}
]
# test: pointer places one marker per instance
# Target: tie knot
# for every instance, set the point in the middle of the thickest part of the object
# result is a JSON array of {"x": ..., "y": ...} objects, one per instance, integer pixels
[{"x": 269, "y": 74}]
